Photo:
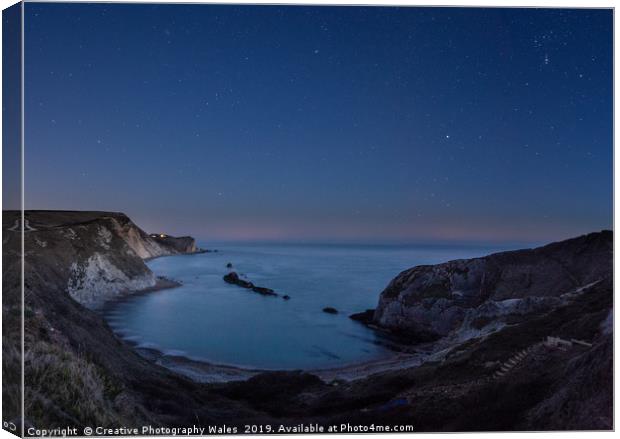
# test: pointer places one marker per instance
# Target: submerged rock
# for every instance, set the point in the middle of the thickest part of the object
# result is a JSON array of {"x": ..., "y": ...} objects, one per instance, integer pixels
[
  {"x": 330, "y": 310},
  {"x": 233, "y": 278},
  {"x": 229, "y": 265},
  {"x": 365, "y": 317},
  {"x": 286, "y": 297},
  {"x": 264, "y": 291}
]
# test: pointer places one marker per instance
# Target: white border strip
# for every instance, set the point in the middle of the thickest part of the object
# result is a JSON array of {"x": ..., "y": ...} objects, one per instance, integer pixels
[{"x": 23, "y": 198}]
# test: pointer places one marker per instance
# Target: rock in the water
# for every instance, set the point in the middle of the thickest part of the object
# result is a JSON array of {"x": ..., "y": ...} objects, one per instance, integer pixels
[
  {"x": 264, "y": 291},
  {"x": 286, "y": 297},
  {"x": 229, "y": 265},
  {"x": 233, "y": 278},
  {"x": 365, "y": 317},
  {"x": 330, "y": 310}
]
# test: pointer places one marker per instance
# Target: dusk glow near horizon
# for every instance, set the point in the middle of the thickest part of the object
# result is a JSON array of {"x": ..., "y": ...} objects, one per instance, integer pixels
[{"x": 323, "y": 123}]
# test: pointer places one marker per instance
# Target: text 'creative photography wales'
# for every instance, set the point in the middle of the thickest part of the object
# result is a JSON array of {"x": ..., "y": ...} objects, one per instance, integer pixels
[{"x": 246, "y": 219}]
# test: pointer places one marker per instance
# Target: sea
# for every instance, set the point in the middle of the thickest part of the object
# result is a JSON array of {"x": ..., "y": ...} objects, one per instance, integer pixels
[{"x": 207, "y": 319}]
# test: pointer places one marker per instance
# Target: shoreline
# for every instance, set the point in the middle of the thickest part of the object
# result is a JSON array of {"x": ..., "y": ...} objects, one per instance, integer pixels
[
  {"x": 203, "y": 371},
  {"x": 206, "y": 372},
  {"x": 161, "y": 283}
]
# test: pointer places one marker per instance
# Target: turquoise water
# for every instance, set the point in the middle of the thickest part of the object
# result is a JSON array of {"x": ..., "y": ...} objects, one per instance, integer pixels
[{"x": 208, "y": 319}]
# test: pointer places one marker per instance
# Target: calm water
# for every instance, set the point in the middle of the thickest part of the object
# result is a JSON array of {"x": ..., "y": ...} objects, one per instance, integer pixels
[{"x": 208, "y": 319}]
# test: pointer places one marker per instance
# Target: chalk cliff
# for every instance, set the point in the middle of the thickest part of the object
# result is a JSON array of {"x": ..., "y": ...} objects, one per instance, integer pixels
[
  {"x": 96, "y": 255},
  {"x": 181, "y": 244},
  {"x": 432, "y": 301}
]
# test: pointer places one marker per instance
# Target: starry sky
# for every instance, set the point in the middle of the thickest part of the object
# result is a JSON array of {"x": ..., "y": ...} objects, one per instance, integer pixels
[{"x": 363, "y": 124}]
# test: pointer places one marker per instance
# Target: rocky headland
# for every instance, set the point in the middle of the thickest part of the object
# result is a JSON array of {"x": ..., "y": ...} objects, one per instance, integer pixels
[
  {"x": 176, "y": 245},
  {"x": 100, "y": 255},
  {"x": 475, "y": 296},
  {"x": 476, "y": 353}
]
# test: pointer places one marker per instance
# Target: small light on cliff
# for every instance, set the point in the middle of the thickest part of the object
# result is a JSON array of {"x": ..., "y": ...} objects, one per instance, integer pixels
[{"x": 162, "y": 235}]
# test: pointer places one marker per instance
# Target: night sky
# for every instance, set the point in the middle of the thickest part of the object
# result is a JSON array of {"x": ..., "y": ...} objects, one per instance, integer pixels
[{"x": 323, "y": 123}]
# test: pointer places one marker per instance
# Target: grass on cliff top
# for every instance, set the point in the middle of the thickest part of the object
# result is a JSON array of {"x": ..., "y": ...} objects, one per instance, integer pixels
[{"x": 61, "y": 386}]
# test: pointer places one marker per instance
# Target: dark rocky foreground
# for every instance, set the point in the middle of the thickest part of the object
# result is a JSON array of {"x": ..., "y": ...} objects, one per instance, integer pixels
[{"x": 491, "y": 373}]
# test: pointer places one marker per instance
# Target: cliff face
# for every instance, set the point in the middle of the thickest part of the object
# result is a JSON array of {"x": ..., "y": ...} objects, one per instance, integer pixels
[
  {"x": 175, "y": 245},
  {"x": 95, "y": 255},
  {"x": 429, "y": 302}
]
